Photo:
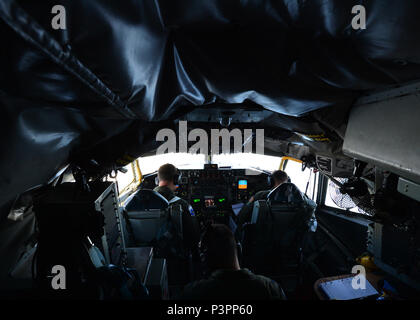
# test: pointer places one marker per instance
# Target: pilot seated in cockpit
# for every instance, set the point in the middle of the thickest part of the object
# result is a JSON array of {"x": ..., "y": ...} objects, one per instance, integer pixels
[
  {"x": 278, "y": 177},
  {"x": 167, "y": 175}
]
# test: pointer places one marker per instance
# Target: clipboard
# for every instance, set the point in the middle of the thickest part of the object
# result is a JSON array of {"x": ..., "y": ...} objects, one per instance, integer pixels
[{"x": 342, "y": 289}]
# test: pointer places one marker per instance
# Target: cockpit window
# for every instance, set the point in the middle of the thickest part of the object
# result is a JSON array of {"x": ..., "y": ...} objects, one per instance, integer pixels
[
  {"x": 124, "y": 179},
  {"x": 306, "y": 180},
  {"x": 247, "y": 160},
  {"x": 152, "y": 163},
  {"x": 180, "y": 160}
]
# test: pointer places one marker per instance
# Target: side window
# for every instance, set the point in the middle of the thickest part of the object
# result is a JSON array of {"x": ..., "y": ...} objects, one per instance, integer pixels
[
  {"x": 306, "y": 181},
  {"x": 124, "y": 179}
]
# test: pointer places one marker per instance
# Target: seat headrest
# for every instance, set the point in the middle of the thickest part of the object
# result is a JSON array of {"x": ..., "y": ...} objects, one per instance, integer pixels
[
  {"x": 146, "y": 199},
  {"x": 286, "y": 193}
]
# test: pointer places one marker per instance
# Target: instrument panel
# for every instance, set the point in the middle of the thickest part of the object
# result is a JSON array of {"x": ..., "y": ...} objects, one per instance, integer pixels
[{"x": 212, "y": 191}]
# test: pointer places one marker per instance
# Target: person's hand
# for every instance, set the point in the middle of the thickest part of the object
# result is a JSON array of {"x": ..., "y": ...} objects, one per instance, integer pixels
[{"x": 251, "y": 200}]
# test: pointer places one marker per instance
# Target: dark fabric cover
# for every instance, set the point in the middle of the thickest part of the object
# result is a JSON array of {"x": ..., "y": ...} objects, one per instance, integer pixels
[{"x": 90, "y": 91}]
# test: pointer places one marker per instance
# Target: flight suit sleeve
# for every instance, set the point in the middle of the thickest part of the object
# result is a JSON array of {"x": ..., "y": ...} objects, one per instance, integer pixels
[
  {"x": 191, "y": 227},
  {"x": 246, "y": 212},
  {"x": 244, "y": 216}
]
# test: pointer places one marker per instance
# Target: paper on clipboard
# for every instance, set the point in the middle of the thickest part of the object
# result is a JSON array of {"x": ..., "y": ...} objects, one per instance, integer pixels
[{"x": 342, "y": 289}]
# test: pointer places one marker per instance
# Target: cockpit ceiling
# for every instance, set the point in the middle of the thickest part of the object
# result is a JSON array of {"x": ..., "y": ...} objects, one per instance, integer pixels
[
  {"x": 158, "y": 57},
  {"x": 123, "y": 69}
]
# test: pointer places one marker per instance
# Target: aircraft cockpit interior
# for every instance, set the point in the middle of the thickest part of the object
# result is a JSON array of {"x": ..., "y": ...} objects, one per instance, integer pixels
[
  {"x": 210, "y": 150},
  {"x": 212, "y": 191}
]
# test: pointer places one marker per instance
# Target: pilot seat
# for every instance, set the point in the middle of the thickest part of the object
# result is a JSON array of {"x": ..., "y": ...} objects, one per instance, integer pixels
[
  {"x": 145, "y": 213},
  {"x": 153, "y": 221},
  {"x": 273, "y": 240}
]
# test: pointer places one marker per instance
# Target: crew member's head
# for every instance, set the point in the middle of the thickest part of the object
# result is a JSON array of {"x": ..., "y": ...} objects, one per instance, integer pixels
[
  {"x": 219, "y": 247},
  {"x": 279, "y": 177},
  {"x": 166, "y": 176}
]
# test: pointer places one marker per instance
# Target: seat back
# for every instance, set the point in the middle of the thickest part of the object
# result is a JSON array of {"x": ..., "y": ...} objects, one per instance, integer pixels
[
  {"x": 145, "y": 213},
  {"x": 291, "y": 214},
  {"x": 145, "y": 200},
  {"x": 274, "y": 236}
]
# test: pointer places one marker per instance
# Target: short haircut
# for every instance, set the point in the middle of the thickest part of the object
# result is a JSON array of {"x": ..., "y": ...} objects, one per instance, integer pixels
[
  {"x": 167, "y": 172},
  {"x": 279, "y": 176},
  {"x": 219, "y": 243}
]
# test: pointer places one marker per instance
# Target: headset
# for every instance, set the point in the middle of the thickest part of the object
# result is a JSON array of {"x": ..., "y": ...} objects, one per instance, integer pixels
[
  {"x": 177, "y": 177},
  {"x": 176, "y": 180},
  {"x": 270, "y": 180}
]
